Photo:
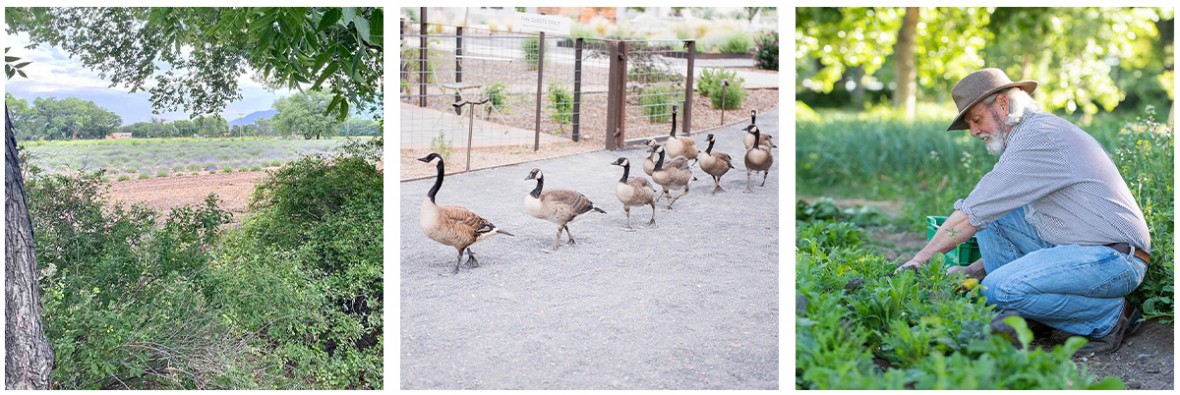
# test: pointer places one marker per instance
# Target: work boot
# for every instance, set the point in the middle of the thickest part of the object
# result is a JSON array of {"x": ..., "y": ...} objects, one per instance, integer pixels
[{"x": 1128, "y": 325}]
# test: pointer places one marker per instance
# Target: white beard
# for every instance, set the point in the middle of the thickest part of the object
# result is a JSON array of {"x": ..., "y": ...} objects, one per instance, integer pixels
[{"x": 995, "y": 145}]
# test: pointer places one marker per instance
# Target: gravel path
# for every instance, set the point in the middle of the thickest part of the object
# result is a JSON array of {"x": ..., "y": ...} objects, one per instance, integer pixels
[{"x": 691, "y": 303}]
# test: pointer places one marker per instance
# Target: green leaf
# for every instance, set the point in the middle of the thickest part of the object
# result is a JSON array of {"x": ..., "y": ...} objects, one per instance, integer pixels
[
  {"x": 330, "y": 17},
  {"x": 1073, "y": 344},
  {"x": 332, "y": 104},
  {"x": 362, "y": 29},
  {"x": 22, "y": 73},
  {"x": 349, "y": 15},
  {"x": 325, "y": 74},
  {"x": 10, "y": 59},
  {"x": 9, "y": 70},
  {"x": 21, "y": 65},
  {"x": 1108, "y": 383},
  {"x": 377, "y": 28},
  {"x": 1023, "y": 334}
]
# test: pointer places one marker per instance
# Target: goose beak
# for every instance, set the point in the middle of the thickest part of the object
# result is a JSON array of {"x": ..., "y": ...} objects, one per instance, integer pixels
[
  {"x": 504, "y": 233},
  {"x": 426, "y": 159}
]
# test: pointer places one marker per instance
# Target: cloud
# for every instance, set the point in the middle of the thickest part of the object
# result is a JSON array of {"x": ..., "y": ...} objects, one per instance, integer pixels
[{"x": 54, "y": 73}]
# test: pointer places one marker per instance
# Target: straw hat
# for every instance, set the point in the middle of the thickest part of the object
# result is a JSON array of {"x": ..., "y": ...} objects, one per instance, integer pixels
[{"x": 978, "y": 85}]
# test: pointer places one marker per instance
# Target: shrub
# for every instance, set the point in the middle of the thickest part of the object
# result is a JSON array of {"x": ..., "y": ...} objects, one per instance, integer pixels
[
  {"x": 736, "y": 43},
  {"x": 162, "y": 173},
  {"x": 497, "y": 94},
  {"x": 709, "y": 85},
  {"x": 144, "y": 175},
  {"x": 766, "y": 51},
  {"x": 532, "y": 52},
  {"x": 124, "y": 177},
  {"x": 562, "y": 104},
  {"x": 657, "y": 102},
  {"x": 125, "y": 300},
  {"x": 441, "y": 145}
]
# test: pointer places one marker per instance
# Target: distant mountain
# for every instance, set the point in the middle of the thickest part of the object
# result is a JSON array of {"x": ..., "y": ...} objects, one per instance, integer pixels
[{"x": 251, "y": 117}]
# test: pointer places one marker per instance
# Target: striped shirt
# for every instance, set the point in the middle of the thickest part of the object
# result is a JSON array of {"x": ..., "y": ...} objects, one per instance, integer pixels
[{"x": 1071, "y": 187}]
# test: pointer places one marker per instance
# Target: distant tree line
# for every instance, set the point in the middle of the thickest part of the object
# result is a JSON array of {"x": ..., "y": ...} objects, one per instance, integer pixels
[{"x": 301, "y": 115}]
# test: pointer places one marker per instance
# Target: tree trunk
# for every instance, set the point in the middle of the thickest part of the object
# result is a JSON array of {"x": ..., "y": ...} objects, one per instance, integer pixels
[
  {"x": 905, "y": 96},
  {"x": 28, "y": 358},
  {"x": 856, "y": 74}
]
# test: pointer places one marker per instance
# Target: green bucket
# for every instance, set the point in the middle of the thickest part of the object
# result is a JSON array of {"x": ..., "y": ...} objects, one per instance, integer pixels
[{"x": 964, "y": 254}]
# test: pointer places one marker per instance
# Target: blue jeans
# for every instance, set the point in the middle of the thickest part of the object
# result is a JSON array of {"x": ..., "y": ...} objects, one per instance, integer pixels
[{"x": 1074, "y": 288}]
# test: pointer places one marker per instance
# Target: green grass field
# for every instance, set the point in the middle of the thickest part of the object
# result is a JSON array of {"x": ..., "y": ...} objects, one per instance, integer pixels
[{"x": 143, "y": 158}]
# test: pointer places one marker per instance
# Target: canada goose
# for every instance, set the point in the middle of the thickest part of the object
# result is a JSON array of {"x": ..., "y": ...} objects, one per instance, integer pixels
[
  {"x": 633, "y": 192},
  {"x": 649, "y": 164},
  {"x": 765, "y": 139},
  {"x": 715, "y": 163},
  {"x": 673, "y": 176},
  {"x": 559, "y": 206},
  {"x": 758, "y": 158},
  {"x": 453, "y": 225},
  {"x": 680, "y": 146}
]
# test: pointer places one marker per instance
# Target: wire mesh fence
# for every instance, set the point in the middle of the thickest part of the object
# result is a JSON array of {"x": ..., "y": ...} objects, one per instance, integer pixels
[
  {"x": 534, "y": 90},
  {"x": 656, "y": 81}
]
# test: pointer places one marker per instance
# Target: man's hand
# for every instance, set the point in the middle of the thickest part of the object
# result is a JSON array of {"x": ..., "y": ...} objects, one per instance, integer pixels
[
  {"x": 913, "y": 264},
  {"x": 974, "y": 270}
]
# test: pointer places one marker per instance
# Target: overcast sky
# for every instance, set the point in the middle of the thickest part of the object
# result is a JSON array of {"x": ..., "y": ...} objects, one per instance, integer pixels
[{"x": 54, "y": 74}]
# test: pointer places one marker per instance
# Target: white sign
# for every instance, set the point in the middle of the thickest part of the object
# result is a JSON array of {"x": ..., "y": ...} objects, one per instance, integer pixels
[{"x": 543, "y": 23}]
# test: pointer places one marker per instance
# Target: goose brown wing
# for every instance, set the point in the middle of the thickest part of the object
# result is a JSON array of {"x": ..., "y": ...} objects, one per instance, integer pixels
[
  {"x": 465, "y": 220},
  {"x": 638, "y": 182},
  {"x": 569, "y": 198},
  {"x": 679, "y": 163}
]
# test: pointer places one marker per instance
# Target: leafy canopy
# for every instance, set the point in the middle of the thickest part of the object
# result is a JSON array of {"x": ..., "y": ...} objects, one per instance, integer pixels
[{"x": 195, "y": 55}]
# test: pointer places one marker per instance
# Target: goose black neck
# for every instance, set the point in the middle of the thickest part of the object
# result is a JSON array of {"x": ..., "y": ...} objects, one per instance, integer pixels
[
  {"x": 537, "y": 191},
  {"x": 673, "y": 132},
  {"x": 757, "y": 139},
  {"x": 437, "y": 181},
  {"x": 752, "y": 117},
  {"x": 710, "y": 149},
  {"x": 626, "y": 172},
  {"x": 660, "y": 162}
]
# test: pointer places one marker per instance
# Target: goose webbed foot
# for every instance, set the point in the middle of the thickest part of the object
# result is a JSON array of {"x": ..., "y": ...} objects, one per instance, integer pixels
[{"x": 471, "y": 261}]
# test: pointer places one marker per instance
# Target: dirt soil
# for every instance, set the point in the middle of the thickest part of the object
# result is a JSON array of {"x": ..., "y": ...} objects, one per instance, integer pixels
[
  {"x": 164, "y": 194},
  {"x": 1145, "y": 361},
  {"x": 689, "y": 303}
]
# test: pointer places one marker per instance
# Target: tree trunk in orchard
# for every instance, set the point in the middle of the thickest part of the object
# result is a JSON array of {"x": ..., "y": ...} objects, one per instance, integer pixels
[
  {"x": 28, "y": 358},
  {"x": 905, "y": 96}
]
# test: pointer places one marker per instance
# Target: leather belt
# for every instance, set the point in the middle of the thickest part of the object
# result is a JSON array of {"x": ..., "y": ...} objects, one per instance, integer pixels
[{"x": 1126, "y": 249}]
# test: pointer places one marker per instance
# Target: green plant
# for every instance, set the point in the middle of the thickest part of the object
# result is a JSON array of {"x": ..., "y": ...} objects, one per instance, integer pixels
[
  {"x": 736, "y": 43},
  {"x": 562, "y": 104},
  {"x": 497, "y": 94},
  {"x": 532, "y": 52},
  {"x": 441, "y": 145},
  {"x": 124, "y": 177},
  {"x": 162, "y": 173},
  {"x": 657, "y": 102},
  {"x": 766, "y": 51},
  {"x": 227, "y": 169},
  {"x": 859, "y": 326},
  {"x": 710, "y": 85},
  {"x": 144, "y": 176}
]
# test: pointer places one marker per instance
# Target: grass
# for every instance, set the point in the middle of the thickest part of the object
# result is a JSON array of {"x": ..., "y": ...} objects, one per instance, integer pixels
[
  {"x": 174, "y": 155},
  {"x": 875, "y": 156}
]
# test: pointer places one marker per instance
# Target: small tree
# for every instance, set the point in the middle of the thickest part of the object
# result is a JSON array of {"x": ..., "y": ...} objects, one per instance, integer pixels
[{"x": 306, "y": 114}]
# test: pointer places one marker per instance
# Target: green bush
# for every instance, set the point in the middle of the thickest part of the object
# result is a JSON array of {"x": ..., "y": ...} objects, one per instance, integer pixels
[
  {"x": 657, "y": 102},
  {"x": 124, "y": 177},
  {"x": 561, "y": 101},
  {"x": 125, "y": 301},
  {"x": 709, "y": 85},
  {"x": 736, "y": 43},
  {"x": 497, "y": 94},
  {"x": 766, "y": 51},
  {"x": 532, "y": 52}
]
